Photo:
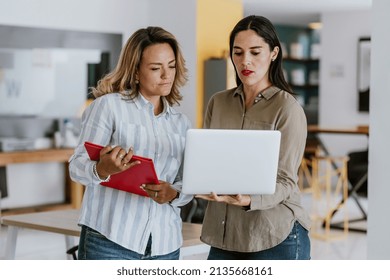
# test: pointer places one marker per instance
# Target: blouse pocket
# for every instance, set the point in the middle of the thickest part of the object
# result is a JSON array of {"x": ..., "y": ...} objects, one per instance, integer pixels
[
  {"x": 172, "y": 154},
  {"x": 132, "y": 135},
  {"x": 176, "y": 143},
  {"x": 256, "y": 125}
]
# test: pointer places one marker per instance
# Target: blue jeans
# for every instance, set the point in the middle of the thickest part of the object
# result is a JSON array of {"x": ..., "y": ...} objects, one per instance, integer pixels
[
  {"x": 295, "y": 247},
  {"x": 95, "y": 246}
]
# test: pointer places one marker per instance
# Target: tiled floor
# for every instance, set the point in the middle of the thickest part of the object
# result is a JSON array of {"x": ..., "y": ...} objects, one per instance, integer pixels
[{"x": 36, "y": 245}]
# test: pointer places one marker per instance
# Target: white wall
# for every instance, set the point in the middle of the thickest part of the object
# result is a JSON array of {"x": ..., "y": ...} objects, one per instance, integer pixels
[
  {"x": 50, "y": 82},
  {"x": 379, "y": 156},
  {"x": 183, "y": 26},
  {"x": 338, "y": 103},
  {"x": 111, "y": 16},
  {"x": 115, "y": 16},
  {"x": 338, "y": 98}
]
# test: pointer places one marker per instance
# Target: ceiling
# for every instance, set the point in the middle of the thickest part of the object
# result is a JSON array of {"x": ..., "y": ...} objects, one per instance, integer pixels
[{"x": 300, "y": 12}]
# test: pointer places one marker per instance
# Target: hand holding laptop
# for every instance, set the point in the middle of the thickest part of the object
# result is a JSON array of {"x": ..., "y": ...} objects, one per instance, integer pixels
[{"x": 238, "y": 199}]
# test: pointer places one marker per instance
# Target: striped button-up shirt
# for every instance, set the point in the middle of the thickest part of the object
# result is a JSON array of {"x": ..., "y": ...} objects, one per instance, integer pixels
[{"x": 128, "y": 219}]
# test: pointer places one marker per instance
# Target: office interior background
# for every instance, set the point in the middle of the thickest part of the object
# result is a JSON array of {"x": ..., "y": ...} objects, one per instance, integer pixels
[{"x": 202, "y": 28}]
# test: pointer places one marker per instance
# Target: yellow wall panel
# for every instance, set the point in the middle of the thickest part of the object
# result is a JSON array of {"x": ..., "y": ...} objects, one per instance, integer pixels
[{"x": 215, "y": 20}]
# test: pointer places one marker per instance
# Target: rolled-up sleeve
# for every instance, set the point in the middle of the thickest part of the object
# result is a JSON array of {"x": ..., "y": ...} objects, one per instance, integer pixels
[
  {"x": 293, "y": 128},
  {"x": 97, "y": 122}
]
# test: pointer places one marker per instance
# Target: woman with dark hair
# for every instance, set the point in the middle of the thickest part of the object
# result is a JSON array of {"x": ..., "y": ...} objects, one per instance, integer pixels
[
  {"x": 133, "y": 114},
  {"x": 259, "y": 226}
]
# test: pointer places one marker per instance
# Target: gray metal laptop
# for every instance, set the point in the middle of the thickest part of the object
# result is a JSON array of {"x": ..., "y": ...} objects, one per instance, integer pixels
[{"x": 227, "y": 161}]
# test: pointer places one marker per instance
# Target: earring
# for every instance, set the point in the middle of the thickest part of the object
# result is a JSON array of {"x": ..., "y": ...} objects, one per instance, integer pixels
[{"x": 137, "y": 81}]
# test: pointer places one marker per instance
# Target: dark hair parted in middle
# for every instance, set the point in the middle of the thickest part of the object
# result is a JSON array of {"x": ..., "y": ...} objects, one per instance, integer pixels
[{"x": 265, "y": 29}]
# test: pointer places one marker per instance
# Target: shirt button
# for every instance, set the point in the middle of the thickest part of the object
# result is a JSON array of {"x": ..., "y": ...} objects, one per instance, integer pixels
[{"x": 223, "y": 222}]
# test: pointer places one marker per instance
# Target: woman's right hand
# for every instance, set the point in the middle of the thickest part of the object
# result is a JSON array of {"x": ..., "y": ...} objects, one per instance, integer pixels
[
  {"x": 114, "y": 160},
  {"x": 237, "y": 200}
]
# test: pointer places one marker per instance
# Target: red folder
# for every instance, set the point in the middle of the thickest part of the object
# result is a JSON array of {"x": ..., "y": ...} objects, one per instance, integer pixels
[{"x": 131, "y": 179}]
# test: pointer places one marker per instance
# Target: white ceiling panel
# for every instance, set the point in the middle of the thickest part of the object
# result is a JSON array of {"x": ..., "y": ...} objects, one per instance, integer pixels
[{"x": 300, "y": 12}]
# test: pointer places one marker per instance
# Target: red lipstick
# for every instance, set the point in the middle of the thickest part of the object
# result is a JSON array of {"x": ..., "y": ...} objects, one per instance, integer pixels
[{"x": 246, "y": 72}]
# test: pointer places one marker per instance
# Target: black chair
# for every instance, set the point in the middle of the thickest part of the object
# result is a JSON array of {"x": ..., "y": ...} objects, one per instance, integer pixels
[
  {"x": 357, "y": 171},
  {"x": 194, "y": 211},
  {"x": 357, "y": 177},
  {"x": 73, "y": 251}
]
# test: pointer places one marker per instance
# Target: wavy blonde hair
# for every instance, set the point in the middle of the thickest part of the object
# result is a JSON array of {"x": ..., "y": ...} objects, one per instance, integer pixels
[{"x": 123, "y": 78}]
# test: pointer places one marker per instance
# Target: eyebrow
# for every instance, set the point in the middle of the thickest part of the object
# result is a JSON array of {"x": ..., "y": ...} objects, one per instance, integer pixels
[
  {"x": 159, "y": 63},
  {"x": 251, "y": 48}
]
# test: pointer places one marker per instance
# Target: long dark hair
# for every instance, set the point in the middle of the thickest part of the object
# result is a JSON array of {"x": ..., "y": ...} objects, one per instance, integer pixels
[{"x": 265, "y": 29}]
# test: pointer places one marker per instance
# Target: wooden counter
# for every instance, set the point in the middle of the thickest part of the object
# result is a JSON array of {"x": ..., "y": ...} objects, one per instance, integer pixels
[
  {"x": 361, "y": 129},
  {"x": 65, "y": 222},
  {"x": 73, "y": 191}
]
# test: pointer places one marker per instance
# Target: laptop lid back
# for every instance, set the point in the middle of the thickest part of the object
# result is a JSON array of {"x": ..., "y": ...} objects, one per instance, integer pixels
[{"x": 228, "y": 161}]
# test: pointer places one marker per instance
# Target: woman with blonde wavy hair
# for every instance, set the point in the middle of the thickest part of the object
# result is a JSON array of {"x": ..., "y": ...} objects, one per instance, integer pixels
[{"x": 133, "y": 114}]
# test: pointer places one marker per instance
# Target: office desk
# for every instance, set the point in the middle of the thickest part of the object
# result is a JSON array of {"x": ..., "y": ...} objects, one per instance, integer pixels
[
  {"x": 65, "y": 222},
  {"x": 73, "y": 190},
  {"x": 357, "y": 130},
  {"x": 315, "y": 129}
]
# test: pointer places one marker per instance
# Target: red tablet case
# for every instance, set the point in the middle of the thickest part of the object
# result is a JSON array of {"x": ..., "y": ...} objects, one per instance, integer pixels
[{"x": 131, "y": 179}]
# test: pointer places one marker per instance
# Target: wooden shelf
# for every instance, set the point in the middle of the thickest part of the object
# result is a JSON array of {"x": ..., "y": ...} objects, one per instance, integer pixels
[
  {"x": 73, "y": 191},
  {"x": 49, "y": 155},
  {"x": 36, "y": 208}
]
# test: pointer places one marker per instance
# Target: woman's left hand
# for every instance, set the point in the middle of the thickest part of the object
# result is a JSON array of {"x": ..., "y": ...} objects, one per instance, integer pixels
[
  {"x": 238, "y": 199},
  {"x": 161, "y": 193}
]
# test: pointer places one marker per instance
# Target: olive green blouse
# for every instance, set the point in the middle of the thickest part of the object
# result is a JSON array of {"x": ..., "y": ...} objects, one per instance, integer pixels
[{"x": 270, "y": 218}]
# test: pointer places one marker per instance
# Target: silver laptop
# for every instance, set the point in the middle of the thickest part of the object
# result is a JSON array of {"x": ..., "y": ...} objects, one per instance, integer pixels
[{"x": 227, "y": 161}]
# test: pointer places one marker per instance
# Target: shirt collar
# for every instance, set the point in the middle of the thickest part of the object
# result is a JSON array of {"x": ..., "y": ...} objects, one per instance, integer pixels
[
  {"x": 266, "y": 93},
  {"x": 140, "y": 102}
]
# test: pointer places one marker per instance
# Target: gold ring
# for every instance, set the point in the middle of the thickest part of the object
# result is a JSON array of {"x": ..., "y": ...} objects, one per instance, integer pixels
[{"x": 155, "y": 194}]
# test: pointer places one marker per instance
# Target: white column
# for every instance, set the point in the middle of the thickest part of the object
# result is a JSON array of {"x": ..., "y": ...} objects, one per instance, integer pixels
[{"x": 379, "y": 150}]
